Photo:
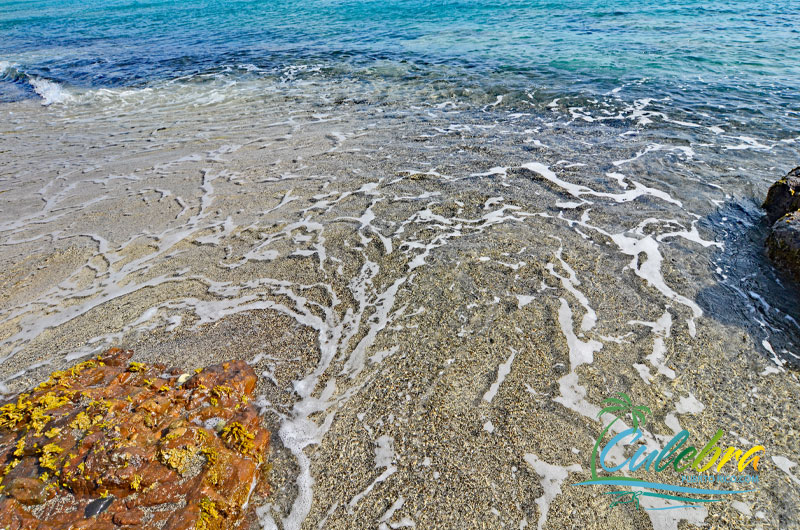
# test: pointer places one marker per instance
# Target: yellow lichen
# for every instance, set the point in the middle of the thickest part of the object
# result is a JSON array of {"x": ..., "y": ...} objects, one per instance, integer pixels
[
  {"x": 239, "y": 438},
  {"x": 171, "y": 435},
  {"x": 11, "y": 465},
  {"x": 177, "y": 458},
  {"x": 137, "y": 367},
  {"x": 38, "y": 420},
  {"x": 52, "y": 433},
  {"x": 13, "y": 413},
  {"x": 81, "y": 421},
  {"x": 78, "y": 368},
  {"x": 10, "y": 415},
  {"x": 99, "y": 406},
  {"x": 221, "y": 390},
  {"x": 211, "y": 454},
  {"x": 215, "y": 467},
  {"x": 62, "y": 377},
  {"x": 208, "y": 512},
  {"x": 20, "y": 450},
  {"x": 136, "y": 482},
  {"x": 51, "y": 401},
  {"x": 48, "y": 458}
]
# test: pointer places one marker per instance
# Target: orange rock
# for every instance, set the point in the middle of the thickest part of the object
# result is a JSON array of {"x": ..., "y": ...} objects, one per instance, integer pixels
[
  {"x": 129, "y": 517},
  {"x": 95, "y": 444},
  {"x": 27, "y": 490}
]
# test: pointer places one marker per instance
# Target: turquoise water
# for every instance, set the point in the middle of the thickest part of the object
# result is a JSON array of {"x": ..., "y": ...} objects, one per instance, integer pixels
[
  {"x": 710, "y": 89},
  {"x": 741, "y": 54}
]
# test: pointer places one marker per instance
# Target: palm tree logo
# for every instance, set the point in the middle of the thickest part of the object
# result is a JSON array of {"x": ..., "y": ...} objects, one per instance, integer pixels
[{"x": 621, "y": 407}]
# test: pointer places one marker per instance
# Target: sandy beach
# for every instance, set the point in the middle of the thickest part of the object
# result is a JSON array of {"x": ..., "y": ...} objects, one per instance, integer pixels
[{"x": 437, "y": 301}]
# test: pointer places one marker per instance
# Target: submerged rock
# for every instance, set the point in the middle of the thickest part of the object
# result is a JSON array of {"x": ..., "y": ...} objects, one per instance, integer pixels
[
  {"x": 783, "y": 243},
  {"x": 783, "y": 213},
  {"x": 783, "y": 196},
  {"x": 111, "y": 444}
]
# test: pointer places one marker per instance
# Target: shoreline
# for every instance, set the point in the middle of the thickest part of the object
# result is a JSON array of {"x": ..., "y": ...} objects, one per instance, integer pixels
[{"x": 434, "y": 324}]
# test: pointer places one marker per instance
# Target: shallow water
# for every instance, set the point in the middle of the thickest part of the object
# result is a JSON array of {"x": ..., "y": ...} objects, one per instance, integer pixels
[{"x": 442, "y": 235}]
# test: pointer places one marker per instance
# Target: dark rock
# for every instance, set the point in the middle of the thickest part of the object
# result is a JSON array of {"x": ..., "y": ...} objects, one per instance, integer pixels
[
  {"x": 783, "y": 243},
  {"x": 783, "y": 196},
  {"x": 97, "y": 506}
]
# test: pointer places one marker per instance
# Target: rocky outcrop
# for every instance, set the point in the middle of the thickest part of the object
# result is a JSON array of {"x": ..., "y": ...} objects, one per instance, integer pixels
[
  {"x": 783, "y": 243},
  {"x": 782, "y": 205},
  {"x": 783, "y": 196},
  {"x": 116, "y": 444}
]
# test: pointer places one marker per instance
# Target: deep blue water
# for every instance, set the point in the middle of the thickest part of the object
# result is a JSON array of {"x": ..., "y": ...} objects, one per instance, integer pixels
[{"x": 732, "y": 53}]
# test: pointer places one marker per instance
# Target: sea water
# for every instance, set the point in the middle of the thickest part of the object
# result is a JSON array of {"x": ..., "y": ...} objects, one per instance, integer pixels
[{"x": 441, "y": 232}]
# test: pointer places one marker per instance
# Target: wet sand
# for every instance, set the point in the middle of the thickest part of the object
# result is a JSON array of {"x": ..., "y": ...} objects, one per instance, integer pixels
[{"x": 437, "y": 301}]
